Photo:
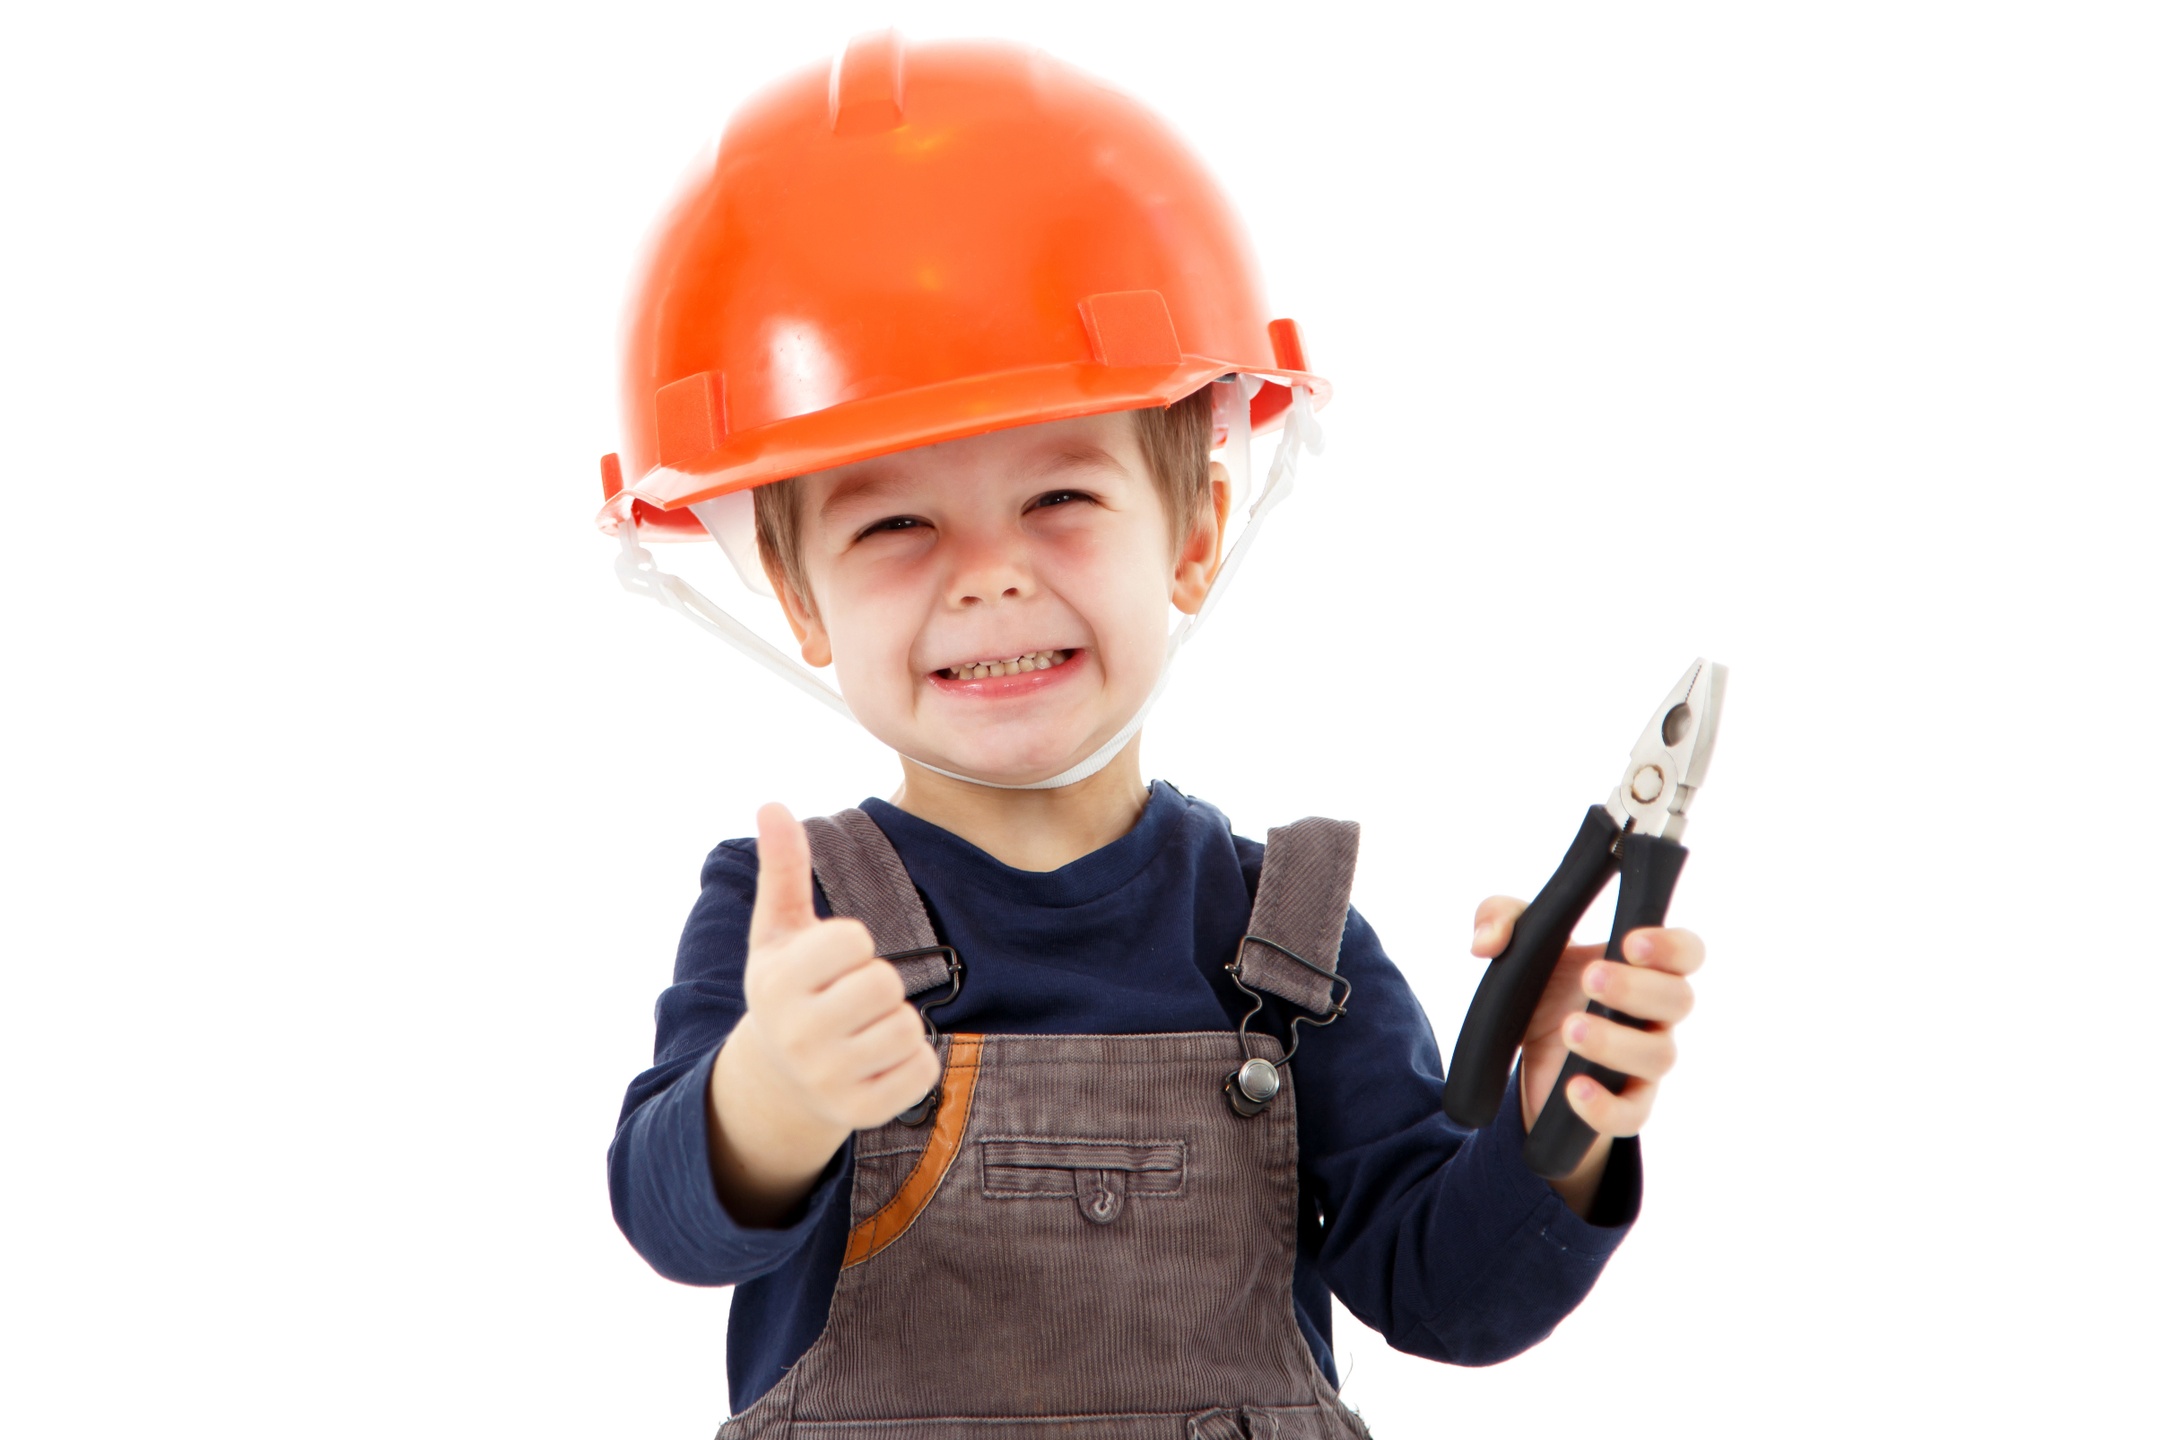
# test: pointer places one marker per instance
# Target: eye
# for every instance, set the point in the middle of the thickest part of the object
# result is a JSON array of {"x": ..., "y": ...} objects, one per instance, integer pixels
[
  {"x": 1058, "y": 497},
  {"x": 891, "y": 523}
]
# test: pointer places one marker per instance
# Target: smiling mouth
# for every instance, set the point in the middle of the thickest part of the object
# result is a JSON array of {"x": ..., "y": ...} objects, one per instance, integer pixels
[{"x": 1017, "y": 665}]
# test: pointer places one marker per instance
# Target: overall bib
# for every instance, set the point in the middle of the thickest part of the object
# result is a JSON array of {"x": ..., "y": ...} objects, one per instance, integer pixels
[{"x": 1079, "y": 1235}]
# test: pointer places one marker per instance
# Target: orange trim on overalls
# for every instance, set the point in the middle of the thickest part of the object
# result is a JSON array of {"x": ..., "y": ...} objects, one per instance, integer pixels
[{"x": 891, "y": 1220}]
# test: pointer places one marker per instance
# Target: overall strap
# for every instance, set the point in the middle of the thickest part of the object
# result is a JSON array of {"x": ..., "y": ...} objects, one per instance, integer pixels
[
  {"x": 1299, "y": 912},
  {"x": 862, "y": 878}
]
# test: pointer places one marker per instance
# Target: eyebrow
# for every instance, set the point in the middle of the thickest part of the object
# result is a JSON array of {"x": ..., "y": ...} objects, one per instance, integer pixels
[
  {"x": 868, "y": 488},
  {"x": 1081, "y": 457},
  {"x": 1070, "y": 456}
]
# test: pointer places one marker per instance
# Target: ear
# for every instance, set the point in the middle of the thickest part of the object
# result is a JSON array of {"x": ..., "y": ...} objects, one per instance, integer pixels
[
  {"x": 801, "y": 618},
  {"x": 1200, "y": 557}
]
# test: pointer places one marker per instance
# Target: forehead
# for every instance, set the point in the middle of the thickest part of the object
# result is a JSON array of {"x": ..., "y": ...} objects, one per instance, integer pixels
[{"x": 1105, "y": 448}]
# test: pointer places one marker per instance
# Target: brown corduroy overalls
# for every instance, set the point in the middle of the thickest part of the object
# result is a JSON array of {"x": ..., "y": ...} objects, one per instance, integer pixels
[{"x": 1083, "y": 1238}]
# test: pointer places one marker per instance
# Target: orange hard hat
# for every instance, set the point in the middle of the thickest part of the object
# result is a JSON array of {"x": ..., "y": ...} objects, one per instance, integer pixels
[{"x": 918, "y": 243}]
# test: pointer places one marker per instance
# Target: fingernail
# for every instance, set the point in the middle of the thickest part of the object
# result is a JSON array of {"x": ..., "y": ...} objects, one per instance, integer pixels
[
  {"x": 1637, "y": 946},
  {"x": 1596, "y": 979},
  {"x": 1578, "y": 1030},
  {"x": 1581, "y": 1087},
  {"x": 1484, "y": 934}
]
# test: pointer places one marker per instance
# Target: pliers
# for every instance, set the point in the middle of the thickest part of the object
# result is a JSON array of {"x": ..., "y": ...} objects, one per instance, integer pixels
[{"x": 1637, "y": 832}]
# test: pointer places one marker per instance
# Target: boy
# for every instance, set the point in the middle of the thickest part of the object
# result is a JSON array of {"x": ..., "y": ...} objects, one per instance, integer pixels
[{"x": 1033, "y": 1101}]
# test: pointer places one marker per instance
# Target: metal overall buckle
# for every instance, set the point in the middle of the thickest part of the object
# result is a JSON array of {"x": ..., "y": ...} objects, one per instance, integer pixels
[
  {"x": 923, "y": 1109},
  {"x": 1255, "y": 1084}
]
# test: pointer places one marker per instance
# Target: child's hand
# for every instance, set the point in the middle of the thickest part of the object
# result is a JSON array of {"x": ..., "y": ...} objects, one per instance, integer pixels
[
  {"x": 829, "y": 1043},
  {"x": 1651, "y": 986}
]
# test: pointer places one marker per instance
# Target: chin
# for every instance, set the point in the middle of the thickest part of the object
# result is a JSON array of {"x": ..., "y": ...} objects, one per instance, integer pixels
[
  {"x": 1014, "y": 750},
  {"x": 1009, "y": 768},
  {"x": 1007, "y": 758}
]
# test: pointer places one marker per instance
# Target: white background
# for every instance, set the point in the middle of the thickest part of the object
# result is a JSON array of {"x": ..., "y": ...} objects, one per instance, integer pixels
[{"x": 351, "y": 810}]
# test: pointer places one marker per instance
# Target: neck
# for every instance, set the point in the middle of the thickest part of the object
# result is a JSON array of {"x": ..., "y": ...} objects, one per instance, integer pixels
[{"x": 1031, "y": 829}]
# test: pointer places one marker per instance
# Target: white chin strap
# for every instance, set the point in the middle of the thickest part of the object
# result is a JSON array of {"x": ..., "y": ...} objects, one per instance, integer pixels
[{"x": 730, "y": 526}]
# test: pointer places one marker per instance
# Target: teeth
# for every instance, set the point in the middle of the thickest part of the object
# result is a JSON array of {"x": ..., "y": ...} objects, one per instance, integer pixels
[{"x": 1018, "y": 665}]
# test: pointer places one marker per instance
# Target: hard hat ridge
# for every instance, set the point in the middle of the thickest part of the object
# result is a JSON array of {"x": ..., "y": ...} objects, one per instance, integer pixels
[{"x": 867, "y": 88}]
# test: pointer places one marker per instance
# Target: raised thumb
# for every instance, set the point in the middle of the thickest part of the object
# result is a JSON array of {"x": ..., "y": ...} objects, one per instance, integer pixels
[{"x": 783, "y": 906}]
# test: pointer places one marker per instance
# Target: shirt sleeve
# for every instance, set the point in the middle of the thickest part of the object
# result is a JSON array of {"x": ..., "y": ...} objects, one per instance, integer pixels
[
  {"x": 1440, "y": 1238},
  {"x": 659, "y": 1166}
]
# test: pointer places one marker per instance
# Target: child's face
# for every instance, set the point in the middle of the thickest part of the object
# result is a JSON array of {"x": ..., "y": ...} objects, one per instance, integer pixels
[{"x": 1048, "y": 545}]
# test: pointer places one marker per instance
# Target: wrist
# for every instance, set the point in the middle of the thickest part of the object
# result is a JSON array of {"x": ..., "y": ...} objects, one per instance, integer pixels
[
  {"x": 768, "y": 1145},
  {"x": 1578, "y": 1189}
]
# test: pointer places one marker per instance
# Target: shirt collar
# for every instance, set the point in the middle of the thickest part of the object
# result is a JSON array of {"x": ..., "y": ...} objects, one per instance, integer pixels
[{"x": 925, "y": 848}]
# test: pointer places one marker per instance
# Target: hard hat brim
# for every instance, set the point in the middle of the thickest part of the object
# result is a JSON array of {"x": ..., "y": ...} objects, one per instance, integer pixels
[{"x": 877, "y": 425}]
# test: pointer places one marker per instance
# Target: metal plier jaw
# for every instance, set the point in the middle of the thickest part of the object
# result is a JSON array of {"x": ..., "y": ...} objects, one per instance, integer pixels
[
  {"x": 1669, "y": 760},
  {"x": 1637, "y": 832}
]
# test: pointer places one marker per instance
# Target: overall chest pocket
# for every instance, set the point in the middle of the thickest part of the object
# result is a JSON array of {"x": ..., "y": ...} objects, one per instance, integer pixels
[{"x": 1097, "y": 1175}]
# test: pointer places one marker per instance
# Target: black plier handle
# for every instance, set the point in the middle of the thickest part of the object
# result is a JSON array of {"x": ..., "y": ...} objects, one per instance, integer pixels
[
  {"x": 1500, "y": 1011},
  {"x": 1664, "y": 771},
  {"x": 1649, "y": 868}
]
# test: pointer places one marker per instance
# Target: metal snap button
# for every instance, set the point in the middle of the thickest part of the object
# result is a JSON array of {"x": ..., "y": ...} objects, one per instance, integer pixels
[{"x": 1252, "y": 1085}]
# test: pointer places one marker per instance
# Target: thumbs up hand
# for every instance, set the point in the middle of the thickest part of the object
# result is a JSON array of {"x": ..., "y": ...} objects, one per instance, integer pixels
[
  {"x": 829, "y": 1043},
  {"x": 831, "y": 1017}
]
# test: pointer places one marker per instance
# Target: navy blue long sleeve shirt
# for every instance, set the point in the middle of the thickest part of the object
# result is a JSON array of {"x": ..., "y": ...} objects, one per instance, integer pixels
[{"x": 1439, "y": 1238}]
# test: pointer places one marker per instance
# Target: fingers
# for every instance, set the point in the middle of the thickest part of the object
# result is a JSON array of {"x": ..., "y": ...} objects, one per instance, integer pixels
[
  {"x": 875, "y": 1074},
  {"x": 1677, "y": 952},
  {"x": 1494, "y": 925},
  {"x": 1649, "y": 995},
  {"x": 869, "y": 993},
  {"x": 1650, "y": 985},
  {"x": 1645, "y": 1054},
  {"x": 783, "y": 906},
  {"x": 856, "y": 1025},
  {"x": 855, "y": 1028},
  {"x": 886, "y": 1094},
  {"x": 1609, "y": 1114},
  {"x": 810, "y": 959},
  {"x": 895, "y": 1041}
]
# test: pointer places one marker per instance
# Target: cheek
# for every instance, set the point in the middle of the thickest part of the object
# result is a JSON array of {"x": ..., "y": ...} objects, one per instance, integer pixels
[
  {"x": 872, "y": 622},
  {"x": 1125, "y": 599}
]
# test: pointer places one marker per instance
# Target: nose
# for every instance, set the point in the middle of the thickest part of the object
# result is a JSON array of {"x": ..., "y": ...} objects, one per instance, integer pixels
[{"x": 986, "y": 568}]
